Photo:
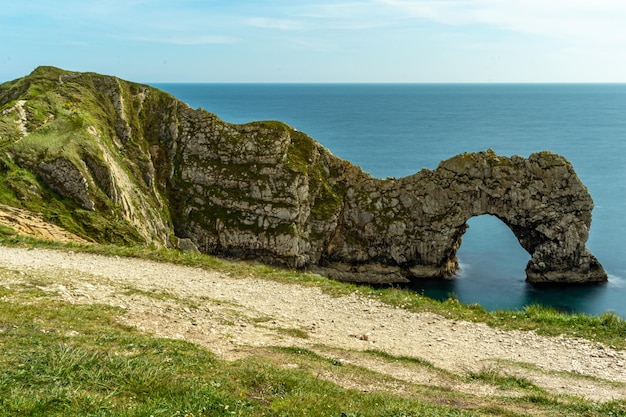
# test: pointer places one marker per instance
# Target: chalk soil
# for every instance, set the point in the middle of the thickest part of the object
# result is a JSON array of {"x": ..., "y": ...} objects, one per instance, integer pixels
[{"x": 238, "y": 316}]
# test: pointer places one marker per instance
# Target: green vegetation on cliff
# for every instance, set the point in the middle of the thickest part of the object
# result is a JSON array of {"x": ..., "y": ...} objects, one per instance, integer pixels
[
  {"x": 51, "y": 116},
  {"x": 118, "y": 162}
]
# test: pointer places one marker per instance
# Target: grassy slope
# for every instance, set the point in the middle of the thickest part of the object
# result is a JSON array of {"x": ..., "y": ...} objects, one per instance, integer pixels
[
  {"x": 59, "y": 119},
  {"x": 58, "y": 116},
  {"x": 62, "y": 359}
]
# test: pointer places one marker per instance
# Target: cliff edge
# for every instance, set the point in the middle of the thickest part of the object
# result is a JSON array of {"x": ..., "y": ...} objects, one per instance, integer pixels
[{"x": 114, "y": 161}]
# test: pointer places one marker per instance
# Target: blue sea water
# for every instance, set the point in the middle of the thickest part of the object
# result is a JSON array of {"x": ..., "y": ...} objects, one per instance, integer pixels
[{"x": 395, "y": 130}]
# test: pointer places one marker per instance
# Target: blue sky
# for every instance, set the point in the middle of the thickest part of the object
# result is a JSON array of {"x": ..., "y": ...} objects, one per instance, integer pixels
[{"x": 319, "y": 41}]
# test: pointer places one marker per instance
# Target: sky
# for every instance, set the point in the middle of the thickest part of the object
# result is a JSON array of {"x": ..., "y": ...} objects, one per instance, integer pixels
[{"x": 291, "y": 41}]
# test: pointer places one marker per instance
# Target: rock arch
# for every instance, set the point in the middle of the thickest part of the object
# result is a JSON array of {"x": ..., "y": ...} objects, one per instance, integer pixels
[{"x": 404, "y": 229}]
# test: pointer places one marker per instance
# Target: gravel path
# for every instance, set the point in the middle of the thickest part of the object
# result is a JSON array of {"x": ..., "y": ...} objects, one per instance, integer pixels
[{"x": 232, "y": 316}]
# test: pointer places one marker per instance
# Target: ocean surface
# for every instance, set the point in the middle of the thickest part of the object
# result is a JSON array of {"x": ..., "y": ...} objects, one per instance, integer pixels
[{"x": 395, "y": 130}]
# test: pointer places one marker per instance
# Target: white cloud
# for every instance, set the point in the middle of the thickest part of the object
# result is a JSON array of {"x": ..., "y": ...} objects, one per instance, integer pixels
[
  {"x": 578, "y": 21},
  {"x": 280, "y": 24},
  {"x": 350, "y": 15},
  {"x": 184, "y": 40}
]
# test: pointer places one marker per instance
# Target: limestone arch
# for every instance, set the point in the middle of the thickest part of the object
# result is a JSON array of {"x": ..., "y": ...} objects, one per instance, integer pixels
[
  {"x": 410, "y": 228},
  {"x": 540, "y": 199}
]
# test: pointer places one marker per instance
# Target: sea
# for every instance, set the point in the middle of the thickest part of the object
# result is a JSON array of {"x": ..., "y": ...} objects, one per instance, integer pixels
[{"x": 394, "y": 130}]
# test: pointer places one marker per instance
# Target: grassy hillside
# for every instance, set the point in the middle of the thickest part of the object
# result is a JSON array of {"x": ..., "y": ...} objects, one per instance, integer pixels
[
  {"x": 124, "y": 163},
  {"x": 54, "y": 115},
  {"x": 61, "y": 358}
]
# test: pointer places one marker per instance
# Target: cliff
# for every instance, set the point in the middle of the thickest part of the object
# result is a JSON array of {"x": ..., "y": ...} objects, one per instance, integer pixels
[{"x": 114, "y": 161}]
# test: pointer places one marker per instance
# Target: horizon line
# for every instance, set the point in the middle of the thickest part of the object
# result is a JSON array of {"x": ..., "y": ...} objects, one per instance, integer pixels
[{"x": 394, "y": 82}]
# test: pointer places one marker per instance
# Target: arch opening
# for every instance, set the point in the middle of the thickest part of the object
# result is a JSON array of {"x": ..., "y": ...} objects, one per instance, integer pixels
[
  {"x": 490, "y": 251},
  {"x": 491, "y": 268}
]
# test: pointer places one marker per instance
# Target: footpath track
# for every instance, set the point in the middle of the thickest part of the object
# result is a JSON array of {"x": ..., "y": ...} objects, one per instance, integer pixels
[{"x": 238, "y": 316}]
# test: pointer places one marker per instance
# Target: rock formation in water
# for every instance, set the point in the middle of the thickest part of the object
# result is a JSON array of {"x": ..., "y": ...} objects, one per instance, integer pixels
[{"x": 115, "y": 161}]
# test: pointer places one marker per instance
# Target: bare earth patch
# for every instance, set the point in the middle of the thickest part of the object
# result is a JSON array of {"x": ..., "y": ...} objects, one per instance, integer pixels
[
  {"x": 235, "y": 317},
  {"x": 27, "y": 223}
]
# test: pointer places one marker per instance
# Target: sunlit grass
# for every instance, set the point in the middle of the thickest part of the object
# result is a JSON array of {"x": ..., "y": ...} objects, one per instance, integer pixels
[{"x": 60, "y": 359}]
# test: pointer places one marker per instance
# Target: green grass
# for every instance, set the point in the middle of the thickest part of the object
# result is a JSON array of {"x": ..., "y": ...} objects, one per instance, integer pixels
[
  {"x": 402, "y": 359},
  {"x": 61, "y": 359},
  {"x": 58, "y": 359},
  {"x": 493, "y": 376},
  {"x": 7, "y": 231},
  {"x": 293, "y": 332}
]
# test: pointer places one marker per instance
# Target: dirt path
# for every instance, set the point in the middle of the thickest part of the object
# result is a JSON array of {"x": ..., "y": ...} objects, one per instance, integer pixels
[{"x": 232, "y": 316}]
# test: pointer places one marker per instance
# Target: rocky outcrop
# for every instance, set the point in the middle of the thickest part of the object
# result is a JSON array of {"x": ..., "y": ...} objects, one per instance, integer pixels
[
  {"x": 413, "y": 226},
  {"x": 269, "y": 192},
  {"x": 63, "y": 176}
]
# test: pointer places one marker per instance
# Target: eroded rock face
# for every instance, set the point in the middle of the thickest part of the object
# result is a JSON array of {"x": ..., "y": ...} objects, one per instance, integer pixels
[
  {"x": 414, "y": 225},
  {"x": 64, "y": 177},
  {"x": 266, "y": 191},
  {"x": 252, "y": 191}
]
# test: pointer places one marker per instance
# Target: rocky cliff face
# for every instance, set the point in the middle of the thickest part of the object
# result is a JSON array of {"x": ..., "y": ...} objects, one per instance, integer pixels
[
  {"x": 132, "y": 163},
  {"x": 413, "y": 226}
]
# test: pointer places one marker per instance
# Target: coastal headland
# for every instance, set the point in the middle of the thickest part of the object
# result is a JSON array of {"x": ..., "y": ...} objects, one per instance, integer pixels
[{"x": 118, "y": 162}]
